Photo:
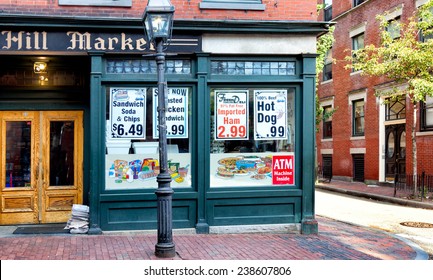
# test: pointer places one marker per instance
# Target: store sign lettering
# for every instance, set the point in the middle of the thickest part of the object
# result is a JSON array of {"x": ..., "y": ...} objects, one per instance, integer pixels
[
  {"x": 270, "y": 115},
  {"x": 231, "y": 115},
  {"x": 86, "y": 41},
  {"x": 177, "y": 113},
  {"x": 283, "y": 170},
  {"x": 128, "y": 113}
]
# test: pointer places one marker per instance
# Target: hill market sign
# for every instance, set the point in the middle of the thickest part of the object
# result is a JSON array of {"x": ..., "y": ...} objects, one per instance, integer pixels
[{"x": 75, "y": 41}]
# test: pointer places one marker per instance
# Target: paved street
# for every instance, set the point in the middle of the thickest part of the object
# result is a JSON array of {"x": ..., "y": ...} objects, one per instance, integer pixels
[{"x": 379, "y": 215}]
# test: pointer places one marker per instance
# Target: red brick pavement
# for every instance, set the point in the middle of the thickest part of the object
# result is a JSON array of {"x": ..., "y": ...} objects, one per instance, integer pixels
[
  {"x": 335, "y": 241},
  {"x": 385, "y": 193}
]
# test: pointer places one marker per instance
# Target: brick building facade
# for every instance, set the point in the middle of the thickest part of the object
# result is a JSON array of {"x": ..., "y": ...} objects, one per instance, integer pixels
[
  {"x": 368, "y": 140},
  {"x": 78, "y": 113}
]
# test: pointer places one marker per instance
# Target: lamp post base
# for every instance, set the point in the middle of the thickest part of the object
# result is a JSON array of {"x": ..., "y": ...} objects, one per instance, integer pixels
[{"x": 166, "y": 250}]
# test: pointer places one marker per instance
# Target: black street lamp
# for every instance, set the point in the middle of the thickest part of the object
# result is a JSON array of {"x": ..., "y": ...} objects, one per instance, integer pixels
[{"x": 158, "y": 22}]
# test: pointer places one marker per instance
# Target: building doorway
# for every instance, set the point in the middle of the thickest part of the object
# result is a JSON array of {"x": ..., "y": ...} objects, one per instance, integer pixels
[
  {"x": 41, "y": 171},
  {"x": 395, "y": 151}
]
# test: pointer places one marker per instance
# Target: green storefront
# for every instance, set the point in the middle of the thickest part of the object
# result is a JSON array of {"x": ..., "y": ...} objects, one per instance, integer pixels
[{"x": 240, "y": 123}]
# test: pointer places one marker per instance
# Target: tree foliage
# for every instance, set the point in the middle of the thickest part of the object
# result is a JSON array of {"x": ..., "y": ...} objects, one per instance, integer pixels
[
  {"x": 324, "y": 44},
  {"x": 407, "y": 59}
]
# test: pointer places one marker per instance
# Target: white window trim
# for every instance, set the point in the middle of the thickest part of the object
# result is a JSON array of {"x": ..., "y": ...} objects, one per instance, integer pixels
[
  {"x": 421, "y": 2},
  {"x": 357, "y": 151},
  {"x": 358, "y": 95},
  {"x": 424, "y": 133},
  {"x": 327, "y": 102},
  {"x": 394, "y": 13},
  {"x": 114, "y": 3},
  {"x": 327, "y": 151},
  {"x": 359, "y": 29}
]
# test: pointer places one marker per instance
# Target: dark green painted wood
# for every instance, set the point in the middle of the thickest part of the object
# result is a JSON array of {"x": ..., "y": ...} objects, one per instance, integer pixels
[
  {"x": 250, "y": 211},
  {"x": 139, "y": 215},
  {"x": 309, "y": 224},
  {"x": 258, "y": 192},
  {"x": 97, "y": 131},
  {"x": 145, "y": 195},
  {"x": 201, "y": 159}
]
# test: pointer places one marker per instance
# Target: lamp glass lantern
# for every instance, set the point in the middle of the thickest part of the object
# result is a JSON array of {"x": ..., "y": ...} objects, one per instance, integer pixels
[{"x": 158, "y": 20}]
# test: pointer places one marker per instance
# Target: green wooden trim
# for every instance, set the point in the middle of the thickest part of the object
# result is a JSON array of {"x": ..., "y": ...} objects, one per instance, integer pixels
[
  {"x": 96, "y": 137},
  {"x": 136, "y": 215},
  {"x": 202, "y": 158},
  {"x": 309, "y": 224},
  {"x": 239, "y": 192},
  {"x": 140, "y": 196}
]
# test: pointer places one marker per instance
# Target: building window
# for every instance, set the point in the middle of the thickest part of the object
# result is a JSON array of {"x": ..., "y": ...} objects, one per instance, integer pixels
[
  {"x": 145, "y": 66},
  {"x": 116, "y": 3},
  {"x": 327, "y": 122},
  {"x": 427, "y": 114},
  {"x": 358, "y": 2},
  {"x": 357, "y": 43},
  {"x": 395, "y": 109},
  {"x": 327, "y": 69},
  {"x": 132, "y": 135},
  {"x": 277, "y": 68},
  {"x": 328, "y": 12},
  {"x": 424, "y": 37},
  {"x": 358, "y": 117},
  {"x": 394, "y": 28},
  {"x": 233, "y": 5},
  {"x": 251, "y": 128}
]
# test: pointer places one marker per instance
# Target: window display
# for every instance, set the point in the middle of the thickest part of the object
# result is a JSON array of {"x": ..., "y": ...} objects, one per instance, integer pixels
[
  {"x": 252, "y": 137},
  {"x": 132, "y": 154}
]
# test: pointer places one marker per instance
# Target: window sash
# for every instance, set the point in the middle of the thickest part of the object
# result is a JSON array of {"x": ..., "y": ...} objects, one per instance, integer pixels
[
  {"x": 358, "y": 117},
  {"x": 357, "y": 2},
  {"x": 327, "y": 122},
  {"x": 427, "y": 114}
]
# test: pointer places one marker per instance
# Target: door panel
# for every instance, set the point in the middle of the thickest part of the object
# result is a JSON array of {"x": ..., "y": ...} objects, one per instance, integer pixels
[
  {"x": 62, "y": 154},
  {"x": 19, "y": 161},
  {"x": 395, "y": 151},
  {"x": 41, "y": 166}
]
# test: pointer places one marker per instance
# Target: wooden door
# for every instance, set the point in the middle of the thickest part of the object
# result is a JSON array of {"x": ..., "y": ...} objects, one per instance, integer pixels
[
  {"x": 395, "y": 151},
  {"x": 19, "y": 160},
  {"x": 41, "y": 166},
  {"x": 62, "y": 161}
]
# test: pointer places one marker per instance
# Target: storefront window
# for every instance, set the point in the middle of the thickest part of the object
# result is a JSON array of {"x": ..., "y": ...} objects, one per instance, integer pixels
[
  {"x": 146, "y": 66},
  {"x": 132, "y": 157},
  {"x": 252, "y": 137}
]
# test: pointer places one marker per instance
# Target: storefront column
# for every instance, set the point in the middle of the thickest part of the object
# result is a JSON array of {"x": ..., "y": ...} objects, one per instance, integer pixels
[
  {"x": 97, "y": 123},
  {"x": 202, "y": 156},
  {"x": 308, "y": 223}
]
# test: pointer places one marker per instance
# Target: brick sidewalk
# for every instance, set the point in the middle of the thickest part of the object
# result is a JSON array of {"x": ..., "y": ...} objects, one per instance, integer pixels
[{"x": 335, "y": 241}]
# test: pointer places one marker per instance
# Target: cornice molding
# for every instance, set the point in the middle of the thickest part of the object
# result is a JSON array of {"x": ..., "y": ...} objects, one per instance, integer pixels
[{"x": 13, "y": 21}]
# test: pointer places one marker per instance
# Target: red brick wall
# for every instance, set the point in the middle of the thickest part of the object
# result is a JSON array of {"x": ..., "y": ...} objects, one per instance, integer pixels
[
  {"x": 343, "y": 83},
  {"x": 275, "y": 10}
]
